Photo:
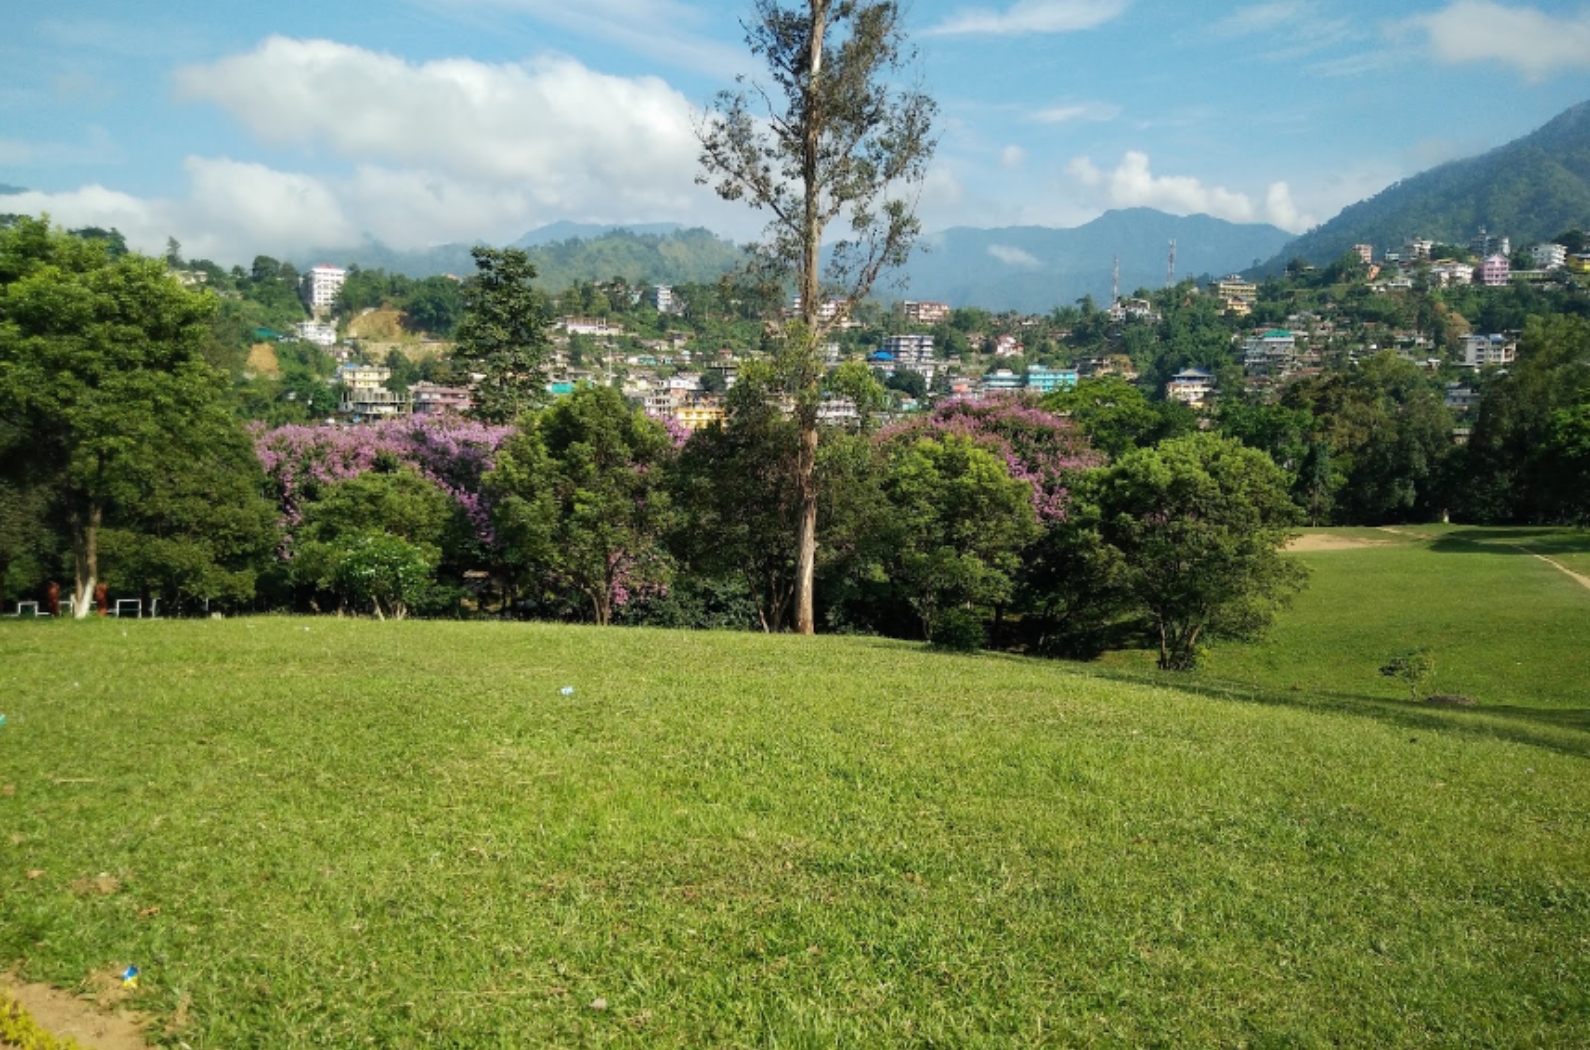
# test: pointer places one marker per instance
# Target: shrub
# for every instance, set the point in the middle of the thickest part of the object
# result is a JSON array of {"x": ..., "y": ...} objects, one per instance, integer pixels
[
  {"x": 1414, "y": 666},
  {"x": 958, "y": 630}
]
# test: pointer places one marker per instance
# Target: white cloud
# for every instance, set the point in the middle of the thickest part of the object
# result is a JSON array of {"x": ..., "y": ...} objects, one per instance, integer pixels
[
  {"x": 232, "y": 212},
  {"x": 664, "y": 29},
  {"x": 1280, "y": 210},
  {"x": 1133, "y": 184},
  {"x": 1014, "y": 256},
  {"x": 1031, "y": 16},
  {"x": 139, "y": 220},
  {"x": 279, "y": 211},
  {"x": 552, "y": 121},
  {"x": 1062, "y": 114},
  {"x": 1263, "y": 18},
  {"x": 1012, "y": 157},
  {"x": 1533, "y": 42}
]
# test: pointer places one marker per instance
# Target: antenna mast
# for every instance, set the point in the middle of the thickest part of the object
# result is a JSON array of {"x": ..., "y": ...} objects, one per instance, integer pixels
[{"x": 1170, "y": 267}]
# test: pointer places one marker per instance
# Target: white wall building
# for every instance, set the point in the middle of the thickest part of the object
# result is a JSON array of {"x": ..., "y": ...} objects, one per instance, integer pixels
[
  {"x": 321, "y": 333},
  {"x": 913, "y": 352},
  {"x": 1488, "y": 351},
  {"x": 321, "y": 285},
  {"x": 1548, "y": 256}
]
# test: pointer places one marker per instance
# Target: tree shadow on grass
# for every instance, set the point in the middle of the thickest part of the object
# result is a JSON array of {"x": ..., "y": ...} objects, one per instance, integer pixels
[
  {"x": 1561, "y": 540},
  {"x": 1564, "y": 730}
]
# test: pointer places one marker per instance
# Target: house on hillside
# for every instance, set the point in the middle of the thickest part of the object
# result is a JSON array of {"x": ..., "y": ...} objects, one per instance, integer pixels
[
  {"x": 1493, "y": 271},
  {"x": 365, "y": 396},
  {"x": 1270, "y": 354},
  {"x": 1191, "y": 386},
  {"x": 1488, "y": 351},
  {"x": 434, "y": 399}
]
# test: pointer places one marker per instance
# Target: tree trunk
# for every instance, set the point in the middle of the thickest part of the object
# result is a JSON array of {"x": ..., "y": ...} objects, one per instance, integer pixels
[
  {"x": 806, "y": 532},
  {"x": 85, "y": 558},
  {"x": 813, "y": 118}
]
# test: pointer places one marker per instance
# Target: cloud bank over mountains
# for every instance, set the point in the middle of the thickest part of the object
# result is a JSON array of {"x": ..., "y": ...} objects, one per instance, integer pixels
[{"x": 412, "y": 154}]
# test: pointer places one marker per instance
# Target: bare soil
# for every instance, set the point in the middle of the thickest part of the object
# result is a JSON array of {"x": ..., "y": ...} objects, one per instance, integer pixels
[
  {"x": 91, "y": 1018},
  {"x": 262, "y": 360},
  {"x": 1325, "y": 541}
]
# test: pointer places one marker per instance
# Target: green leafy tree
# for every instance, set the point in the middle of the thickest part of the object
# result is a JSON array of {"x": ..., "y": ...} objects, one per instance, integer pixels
[
  {"x": 435, "y": 305},
  {"x": 102, "y": 378},
  {"x": 581, "y": 498},
  {"x": 27, "y": 543},
  {"x": 830, "y": 140},
  {"x": 737, "y": 499},
  {"x": 1200, "y": 523},
  {"x": 1389, "y": 437},
  {"x": 503, "y": 334},
  {"x": 383, "y": 571},
  {"x": 200, "y": 533},
  {"x": 1116, "y": 416},
  {"x": 957, "y": 525},
  {"x": 1520, "y": 447}
]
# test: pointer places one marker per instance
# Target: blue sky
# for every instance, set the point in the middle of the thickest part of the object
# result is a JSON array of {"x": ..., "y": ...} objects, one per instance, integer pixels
[{"x": 242, "y": 127}]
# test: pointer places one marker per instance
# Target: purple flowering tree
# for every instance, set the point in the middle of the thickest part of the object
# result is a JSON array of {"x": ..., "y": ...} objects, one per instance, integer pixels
[
  {"x": 1040, "y": 448},
  {"x": 454, "y": 454}
]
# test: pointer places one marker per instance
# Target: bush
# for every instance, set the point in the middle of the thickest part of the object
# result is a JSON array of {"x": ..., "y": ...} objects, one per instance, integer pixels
[
  {"x": 958, "y": 631},
  {"x": 1414, "y": 666}
]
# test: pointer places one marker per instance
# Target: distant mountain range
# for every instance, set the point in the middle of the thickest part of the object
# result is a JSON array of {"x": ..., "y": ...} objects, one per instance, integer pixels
[
  {"x": 1036, "y": 268},
  {"x": 1530, "y": 190},
  {"x": 1029, "y": 268},
  {"x": 564, "y": 231},
  {"x": 565, "y": 252}
]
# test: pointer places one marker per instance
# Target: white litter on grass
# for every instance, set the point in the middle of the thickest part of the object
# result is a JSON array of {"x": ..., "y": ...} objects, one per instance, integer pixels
[{"x": 567, "y": 690}]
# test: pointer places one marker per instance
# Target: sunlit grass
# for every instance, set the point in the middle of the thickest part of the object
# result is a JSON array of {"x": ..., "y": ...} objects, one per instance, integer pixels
[{"x": 337, "y": 832}]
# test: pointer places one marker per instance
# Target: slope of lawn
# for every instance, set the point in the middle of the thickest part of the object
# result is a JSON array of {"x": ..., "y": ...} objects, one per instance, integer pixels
[
  {"x": 335, "y": 833},
  {"x": 1506, "y": 628}
]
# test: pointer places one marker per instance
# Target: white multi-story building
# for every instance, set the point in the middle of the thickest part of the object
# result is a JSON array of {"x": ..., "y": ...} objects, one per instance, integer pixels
[
  {"x": 1270, "y": 354},
  {"x": 1488, "y": 351},
  {"x": 319, "y": 332},
  {"x": 926, "y": 313},
  {"x": 1417, "y": 248},
  {"x": 1451, "y": 272},
  {"x": 321, "y": 285},
  {"x": 1191, "y": 386},
  {"x": 913, "y": 352},
  {"x": 364, "y": 392},
  {"x": 667, "y": 303},
  {"x": 1548, "y": 256}
]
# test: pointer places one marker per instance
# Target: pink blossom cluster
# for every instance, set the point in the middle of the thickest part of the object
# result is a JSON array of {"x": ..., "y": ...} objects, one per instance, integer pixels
[
  {"x": 1041, "y": 448},
  {"x": 453, "y": 453}
]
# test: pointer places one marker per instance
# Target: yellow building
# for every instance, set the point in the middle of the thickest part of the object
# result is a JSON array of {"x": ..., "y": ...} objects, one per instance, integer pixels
[{"x": 699, "y": 415}]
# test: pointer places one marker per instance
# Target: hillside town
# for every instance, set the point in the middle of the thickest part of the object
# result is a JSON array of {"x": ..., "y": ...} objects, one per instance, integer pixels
[{"x": 650, "y": 341}]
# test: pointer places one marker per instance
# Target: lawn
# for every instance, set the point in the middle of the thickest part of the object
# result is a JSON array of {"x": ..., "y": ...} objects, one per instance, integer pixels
[{"x": 341, "y": 832}]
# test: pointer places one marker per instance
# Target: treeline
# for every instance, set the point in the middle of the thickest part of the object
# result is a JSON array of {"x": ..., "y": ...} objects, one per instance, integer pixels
[{"x": 1097, "y": 517}]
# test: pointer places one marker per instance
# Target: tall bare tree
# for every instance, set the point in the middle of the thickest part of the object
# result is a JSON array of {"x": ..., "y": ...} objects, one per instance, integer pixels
[{"x": 832, "y": 138}]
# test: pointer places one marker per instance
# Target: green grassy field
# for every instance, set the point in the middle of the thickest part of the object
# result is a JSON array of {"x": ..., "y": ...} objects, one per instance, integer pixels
[{"x": 337, "y": 832}]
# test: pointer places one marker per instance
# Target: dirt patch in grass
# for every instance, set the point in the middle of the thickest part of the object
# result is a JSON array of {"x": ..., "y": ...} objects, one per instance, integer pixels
[
  {"x": 1325, "y": 541},
  {"x": 262, "y": 360},
  {"x": 87, "y": 1018}
]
